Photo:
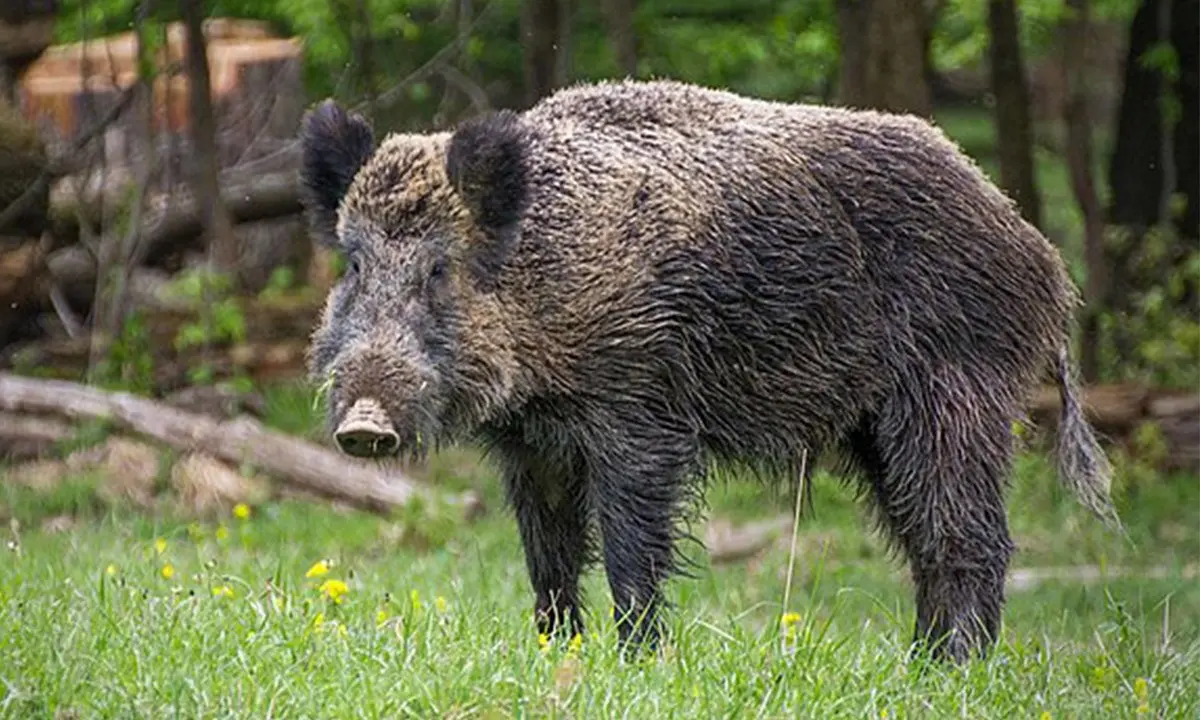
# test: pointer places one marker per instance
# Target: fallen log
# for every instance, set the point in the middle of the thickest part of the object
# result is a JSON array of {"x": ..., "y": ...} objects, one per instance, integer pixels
[{"x": 367, "y": 486}]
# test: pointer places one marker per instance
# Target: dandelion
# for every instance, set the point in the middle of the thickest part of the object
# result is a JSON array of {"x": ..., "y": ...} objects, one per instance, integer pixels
[
  {"x": 241, "y": 511},
  {"x": 223, "y": 591},
  {"x": 319, "y": 568},
  {"x": 221, "y": 532},
  {"x": 883, "y": 714},
  {"x": 1141, "y": 691},
  {"x": 334, "y": 590},
  {"x": 160, "y": 545},
  {"x": 381, "y": 617},
  {"x": 318, "y": 622},
  {"x": 575, "y": 644},
  {"x": 168, "y": 571},
  {"x": 544, "y": 641},
  {"x": 1045, "y": 715},
  {"x": 440, "y": 603},
  {"x": 110, "y": 570}
]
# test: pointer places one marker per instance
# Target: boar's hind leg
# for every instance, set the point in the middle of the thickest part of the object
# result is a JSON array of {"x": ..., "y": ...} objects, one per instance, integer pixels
[
  {"x": 639, "y": 480},
  {"x": 936, "y": 456},
  {"x": 551, "y": 509}
]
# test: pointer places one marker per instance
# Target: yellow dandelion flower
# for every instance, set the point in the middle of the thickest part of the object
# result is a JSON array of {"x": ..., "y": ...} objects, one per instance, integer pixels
[
  {"x": 1141, "y": 689},
  {"x": 575, "y": 644},
  {"x": 883, "y": 714},
  {"x": 160, "y": 545},
  {"x": 789, "y": 619},
  {"x": 223, "y": 591},
  {"x": 381, "y": 617},
  {"x": 110, "y": 570},
  {"x": 168, "y": 571},
  {"x": 334, "y": 590},
  {"x": 319, "y": 568},
  {"x": 340, "y": 629},
  {"x": 440, "y": 603},
  {"x": 222, "y": 532},
  {"x": 1045, "y": 715},
  {"x": 543, "y": 641},
  {"x": 241, "y": 511},
  {"x": 318, "y": 622}
]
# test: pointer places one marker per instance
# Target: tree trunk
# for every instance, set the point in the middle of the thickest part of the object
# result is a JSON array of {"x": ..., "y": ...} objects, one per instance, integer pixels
[
  {"x": 1013, "y": 133},
  {"x": 219, "y": 228},
  {"x": 618, "y": 15},
  {"x": 542, "y": 23},
  {"x": 1079, "y": 162},
  {"x": 1136, "y": 173},
  {"x": 882, "y": 55}
]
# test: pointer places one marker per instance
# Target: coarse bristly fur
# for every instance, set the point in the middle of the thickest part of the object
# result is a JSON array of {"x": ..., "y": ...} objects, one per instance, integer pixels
[{"x": 632, "y": 281}]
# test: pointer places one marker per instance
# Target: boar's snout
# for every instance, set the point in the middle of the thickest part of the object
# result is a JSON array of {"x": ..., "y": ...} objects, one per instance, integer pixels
[{"x": 366, "y": 431}]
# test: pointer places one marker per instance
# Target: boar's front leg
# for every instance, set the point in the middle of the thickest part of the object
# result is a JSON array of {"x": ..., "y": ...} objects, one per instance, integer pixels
[
  {"x": 639, "y": 474},
  {"x": 546, "y": 492}
]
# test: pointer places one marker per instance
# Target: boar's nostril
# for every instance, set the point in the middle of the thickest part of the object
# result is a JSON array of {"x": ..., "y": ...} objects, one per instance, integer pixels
[
  {"x": 367, "y": 441},
  {"x": 366, "y": 431}
]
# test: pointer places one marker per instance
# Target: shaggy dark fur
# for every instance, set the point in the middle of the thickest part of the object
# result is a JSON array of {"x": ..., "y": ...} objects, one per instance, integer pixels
[{"x": 631, "y": 281}]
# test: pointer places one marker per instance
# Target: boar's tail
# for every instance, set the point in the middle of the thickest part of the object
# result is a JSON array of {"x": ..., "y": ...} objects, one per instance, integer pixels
[{"x": 1082, "y": 464}]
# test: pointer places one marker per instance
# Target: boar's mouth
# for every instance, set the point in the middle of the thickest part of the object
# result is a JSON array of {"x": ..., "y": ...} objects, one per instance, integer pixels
[{"x": 367, "y": 431}]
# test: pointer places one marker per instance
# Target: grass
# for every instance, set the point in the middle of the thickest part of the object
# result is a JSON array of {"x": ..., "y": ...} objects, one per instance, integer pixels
[{"x": 436, "y": 619}]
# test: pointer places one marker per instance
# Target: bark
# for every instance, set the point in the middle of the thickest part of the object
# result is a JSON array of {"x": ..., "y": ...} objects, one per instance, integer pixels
[
  {"x": 217, "y": 223},
  {"x": 542, "y": 23},
  {"x": 1013, "y": 131},
  {"x": 618, "y": 16},
  {"x": 1079, "y": 162},
  {"x": 882, "y": 55},
  {"x": 242, "y": 440}
]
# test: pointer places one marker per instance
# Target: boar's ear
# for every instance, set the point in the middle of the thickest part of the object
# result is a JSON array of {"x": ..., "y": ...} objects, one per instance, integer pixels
[
  {"x": 335, "y": 145},
  {"x": 485, "y": 162}
]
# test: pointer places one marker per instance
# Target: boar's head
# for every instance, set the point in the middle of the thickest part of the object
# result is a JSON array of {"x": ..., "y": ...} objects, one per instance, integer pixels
[{"x": 415, "y": 346}]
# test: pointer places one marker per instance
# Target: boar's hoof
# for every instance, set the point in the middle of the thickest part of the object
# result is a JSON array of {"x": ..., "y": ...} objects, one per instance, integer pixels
[{"x": 367, "y": 432}]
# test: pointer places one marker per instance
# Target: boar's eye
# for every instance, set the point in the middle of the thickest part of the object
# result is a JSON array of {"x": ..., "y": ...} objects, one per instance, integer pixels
[{"x": 438, "y": 271}]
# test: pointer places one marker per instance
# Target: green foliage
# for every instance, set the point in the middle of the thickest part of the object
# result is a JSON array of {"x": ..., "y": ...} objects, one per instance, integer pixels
[
  {"x": 1157, "y": 340},
  {"x": 128, "y": 363},
  {"x": 219, "y": 317}
]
